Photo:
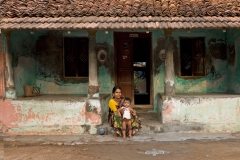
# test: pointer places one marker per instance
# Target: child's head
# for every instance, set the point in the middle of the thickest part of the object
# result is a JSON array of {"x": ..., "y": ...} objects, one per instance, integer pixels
[{"x": 127, "y": 102}]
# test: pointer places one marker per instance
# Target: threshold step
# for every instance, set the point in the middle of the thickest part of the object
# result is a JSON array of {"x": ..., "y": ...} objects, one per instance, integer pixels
[
  {"x": 138, "y": 106},
  {"x": 149, "y": 122},
  {"x": 146, "y": 128}
]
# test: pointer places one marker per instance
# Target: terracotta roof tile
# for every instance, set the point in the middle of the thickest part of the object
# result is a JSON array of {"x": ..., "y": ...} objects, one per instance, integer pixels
[
  {"x": 120, "y": 22},
  {"x": 119, "y": 8}
]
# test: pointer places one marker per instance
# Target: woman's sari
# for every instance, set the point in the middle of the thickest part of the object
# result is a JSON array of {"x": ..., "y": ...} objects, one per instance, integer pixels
[{"x": 116, "y": 121}]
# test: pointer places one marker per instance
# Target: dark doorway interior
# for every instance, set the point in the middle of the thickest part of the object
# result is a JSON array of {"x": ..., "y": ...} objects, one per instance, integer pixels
[
  {"x": 132, "y": 59},
  {"x": 141, "y": 64}
]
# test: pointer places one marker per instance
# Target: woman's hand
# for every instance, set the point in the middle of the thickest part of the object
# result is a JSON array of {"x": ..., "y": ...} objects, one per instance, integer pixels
[
  {"x": 134, "y": 113},
  {"x": 119, "y": 113}
]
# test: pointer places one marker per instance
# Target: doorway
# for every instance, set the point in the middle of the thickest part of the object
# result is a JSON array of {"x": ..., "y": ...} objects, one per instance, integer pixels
[{"x": 133, "y": 65}]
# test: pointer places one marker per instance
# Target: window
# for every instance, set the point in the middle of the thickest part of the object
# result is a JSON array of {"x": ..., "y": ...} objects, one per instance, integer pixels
[
  {"x": 192, "y": 52},
  {"x": 75, "y": 57}
]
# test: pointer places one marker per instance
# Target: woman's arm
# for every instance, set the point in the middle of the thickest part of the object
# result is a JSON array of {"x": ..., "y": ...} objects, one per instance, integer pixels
[{"x": 112, "y": 105}]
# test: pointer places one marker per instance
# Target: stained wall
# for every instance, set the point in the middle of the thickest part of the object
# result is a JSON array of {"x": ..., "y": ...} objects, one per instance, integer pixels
[
  {"x": 216, "y": 66},
  {"x": 233, "y": 60},
  {"x": 209, "y": 103},
  {"x": 37, "y": 58},
  {"x": 52, "y": 115},
  {"x": 42, "y": 52},
  {"x": 201, "y": 113}
]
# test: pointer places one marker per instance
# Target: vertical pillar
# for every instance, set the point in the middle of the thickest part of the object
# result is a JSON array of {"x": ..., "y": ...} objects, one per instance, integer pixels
[
  {"x": 93, "y": 87},
  {"x": 10, "y": 88},
  {"x": 2, "y": 69},
  {"x": 169, "y": 88},
  {"x": 93, "y": 104}
]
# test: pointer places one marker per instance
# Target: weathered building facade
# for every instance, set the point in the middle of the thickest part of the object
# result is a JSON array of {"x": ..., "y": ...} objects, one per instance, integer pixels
[{"x": 179, "y": 57}]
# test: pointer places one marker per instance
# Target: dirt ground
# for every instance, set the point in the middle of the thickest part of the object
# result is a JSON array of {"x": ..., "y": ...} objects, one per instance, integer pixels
[{"x": 181, "y": 150}]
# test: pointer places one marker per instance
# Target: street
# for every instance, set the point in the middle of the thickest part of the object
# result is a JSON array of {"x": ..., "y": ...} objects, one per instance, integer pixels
[{"x": 109, "y": 148}]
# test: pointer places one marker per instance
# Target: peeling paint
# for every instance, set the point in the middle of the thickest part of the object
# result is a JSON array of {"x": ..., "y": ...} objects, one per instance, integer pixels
[
  {"x": 202, "y": 113},
  {"x": 45, "y": 49},
  {"x": 169, "y": 107},
  {"x": 36, "y": 59},
  {"x": 231, "y": 54},
  {"x": 104, "y": 79},
  {"x": 217, "y": 48},
  {"x": 24, "y": 115}
]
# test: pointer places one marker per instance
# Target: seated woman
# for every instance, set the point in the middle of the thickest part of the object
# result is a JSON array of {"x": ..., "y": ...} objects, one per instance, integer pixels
[{"x": 116, "y": 121}]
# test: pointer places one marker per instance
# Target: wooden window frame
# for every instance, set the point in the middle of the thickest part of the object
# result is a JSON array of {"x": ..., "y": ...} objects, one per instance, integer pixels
[
  {"x": 192, "y": 56},
  {"x": 64, "y": 63}
]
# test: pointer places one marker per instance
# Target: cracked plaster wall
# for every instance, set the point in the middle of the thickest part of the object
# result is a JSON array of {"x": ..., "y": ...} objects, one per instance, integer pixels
[
  {"x": 201, "y": 114},
  {"x": 233, "y": 58},
  {"x": 217, "y": 62},
  {"x": 37, "y": 59},
  {"x": 43, "y": 65},
  {"x": 24, "y": 45},
  {"x": 216, "y": 67}
]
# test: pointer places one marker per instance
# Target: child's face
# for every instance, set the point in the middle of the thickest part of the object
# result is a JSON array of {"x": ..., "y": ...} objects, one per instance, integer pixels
[{"x": 127, "y": 103}]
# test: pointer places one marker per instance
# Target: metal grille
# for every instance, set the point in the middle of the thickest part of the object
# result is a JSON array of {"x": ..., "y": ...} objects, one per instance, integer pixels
[
  {"x": 192, "y": 56},
  {"x": 83, "y": 57},
  {"x": 186, "y": 59},
  {"x": 75, "y": 57},
  {"x": 70, "y": 57}
]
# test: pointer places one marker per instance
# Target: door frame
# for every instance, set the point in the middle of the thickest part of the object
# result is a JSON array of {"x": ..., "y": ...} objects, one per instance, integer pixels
[{"x": 117, "y": 35}]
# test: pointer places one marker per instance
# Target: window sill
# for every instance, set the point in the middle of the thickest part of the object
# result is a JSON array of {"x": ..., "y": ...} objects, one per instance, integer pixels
[
  {"x": 76, "y": 77},
  {"x": 191, "y": 77}
]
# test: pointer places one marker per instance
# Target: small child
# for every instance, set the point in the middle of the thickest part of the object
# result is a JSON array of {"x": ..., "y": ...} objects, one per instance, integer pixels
[{"x": 126, "y": 111}]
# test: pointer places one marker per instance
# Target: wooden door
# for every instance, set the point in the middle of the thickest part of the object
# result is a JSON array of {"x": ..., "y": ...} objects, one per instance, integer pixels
[
  {"x": 132, "y": 47},
  {"x": 125, "y": 66}
]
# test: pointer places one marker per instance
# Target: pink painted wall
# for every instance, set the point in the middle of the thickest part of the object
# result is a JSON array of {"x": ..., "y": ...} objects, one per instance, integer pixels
[
  {"x": 7, "y": 115},
  {"x": 52, "y": 117}
]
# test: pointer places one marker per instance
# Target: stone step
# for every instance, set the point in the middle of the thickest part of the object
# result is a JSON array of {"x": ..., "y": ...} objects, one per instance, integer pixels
[{"x": 149, "y": 123}]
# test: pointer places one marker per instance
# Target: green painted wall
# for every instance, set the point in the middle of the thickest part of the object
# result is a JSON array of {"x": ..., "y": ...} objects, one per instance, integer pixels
[
  {"x": 24, "y": 58},
  {"x": 49, "y": 65},
  {"x": 36, "y": 60},
  {"x": 215, "y": 62},
  {"x": 158, "y": 66},
  {"x": 233, "y": 43},
  {"x": 106, "y": 69}
]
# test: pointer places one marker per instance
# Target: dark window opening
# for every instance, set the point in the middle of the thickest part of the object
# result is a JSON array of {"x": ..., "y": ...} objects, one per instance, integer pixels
[
  {"x": 75, "y": 57},
  {"x": 192, "y": 53}
]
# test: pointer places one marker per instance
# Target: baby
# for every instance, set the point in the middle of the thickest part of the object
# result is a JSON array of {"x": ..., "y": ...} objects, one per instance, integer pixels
[{"x": 126, "y": 111}]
